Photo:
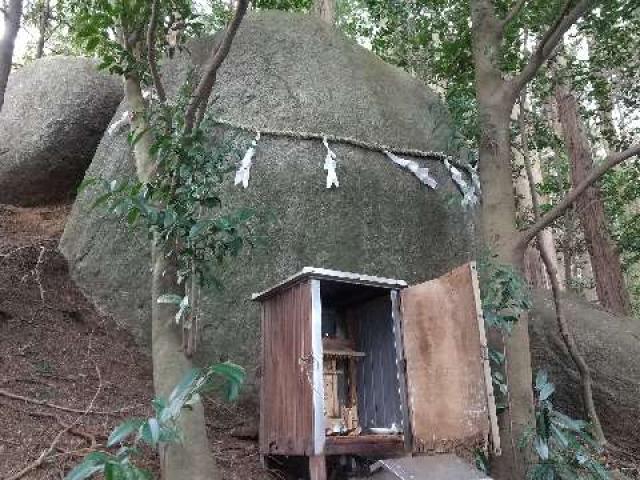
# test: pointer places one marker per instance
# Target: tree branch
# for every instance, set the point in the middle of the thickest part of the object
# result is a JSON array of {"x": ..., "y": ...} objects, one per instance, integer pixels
[
  {"x": 568, "y": 16},
  {"x": 202, "y": 92},
  {"x": 513, "y": 13},
  {"x": 611, "y": 161},
  {"x": 151, "y": 52}
]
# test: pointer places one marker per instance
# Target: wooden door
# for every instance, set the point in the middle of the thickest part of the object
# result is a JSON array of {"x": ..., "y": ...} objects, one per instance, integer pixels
[
  {"x": 451, "y": 399},
  {"x": 287, "y": 397}
]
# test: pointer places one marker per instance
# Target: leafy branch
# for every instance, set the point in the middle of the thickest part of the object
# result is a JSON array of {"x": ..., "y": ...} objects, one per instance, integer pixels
[
  {"x": 162, "y": 428},
  {"x": 565, "y": 448}
]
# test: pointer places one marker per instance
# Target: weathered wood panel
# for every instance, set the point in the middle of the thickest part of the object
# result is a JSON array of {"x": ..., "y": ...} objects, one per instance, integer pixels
[
  {"x": 378, "y": 388},
  {"x": 445, "y": 362},
  {"x": 366, "y": 445},
  {"x": 286, "y": 407}
]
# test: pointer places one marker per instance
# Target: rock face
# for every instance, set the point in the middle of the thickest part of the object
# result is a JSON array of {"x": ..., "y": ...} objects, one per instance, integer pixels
[
  {"x": 293, "y": 72},
  {"x": 611, "y": 346},
  {"x": 55, "y": 113}
]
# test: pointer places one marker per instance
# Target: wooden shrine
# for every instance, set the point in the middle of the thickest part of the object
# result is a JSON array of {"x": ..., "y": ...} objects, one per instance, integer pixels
[{"x": 366, "y": 366}]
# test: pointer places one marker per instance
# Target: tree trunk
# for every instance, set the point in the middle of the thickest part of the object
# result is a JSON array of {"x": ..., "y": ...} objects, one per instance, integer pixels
[
  {"x": 326, "y": 10},
  {"x": 43, "y": 26},
  {"x": 534, "y": 269},
  {"x": 605, "y": 260},
  {"x": 499, "y": 230},
  {"x": 12, "y": 18},
  {"x": 551, "y": 266},
  {"x": 192, "y": 459}
]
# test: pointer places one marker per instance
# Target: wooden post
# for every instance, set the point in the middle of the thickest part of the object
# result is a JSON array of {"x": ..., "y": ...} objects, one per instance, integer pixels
[{"x": 317, "y": 467}]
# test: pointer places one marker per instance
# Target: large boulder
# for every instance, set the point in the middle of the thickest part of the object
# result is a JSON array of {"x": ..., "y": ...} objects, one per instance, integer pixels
[
  {"x": 55, "y": 112},
  {"x": 611, "y": 346},
  {"x": 292, "y": 72}
]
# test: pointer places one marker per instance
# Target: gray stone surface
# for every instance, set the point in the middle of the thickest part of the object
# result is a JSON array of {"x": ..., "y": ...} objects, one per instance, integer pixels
[
  {"x": 291, "y": 71},
  {"x": 611, "y": 346},
  {"x": 55, "y": 113}
]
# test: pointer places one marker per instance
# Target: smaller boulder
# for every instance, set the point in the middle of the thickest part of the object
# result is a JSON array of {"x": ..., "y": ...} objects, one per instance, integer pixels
[
  {"x": 55, "y": 112},
  {"x": 611, "y": 348}
]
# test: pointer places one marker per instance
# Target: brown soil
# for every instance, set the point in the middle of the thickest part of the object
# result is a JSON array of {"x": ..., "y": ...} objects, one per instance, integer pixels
[{"x": 56, "y": 348}]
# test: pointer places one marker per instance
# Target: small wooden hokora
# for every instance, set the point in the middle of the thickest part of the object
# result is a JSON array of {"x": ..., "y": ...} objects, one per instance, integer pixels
[{"x": 361, "y": 366}]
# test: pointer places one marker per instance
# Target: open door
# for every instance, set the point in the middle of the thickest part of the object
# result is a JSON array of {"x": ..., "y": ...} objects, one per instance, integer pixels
[{"x": 450, "y": 393}]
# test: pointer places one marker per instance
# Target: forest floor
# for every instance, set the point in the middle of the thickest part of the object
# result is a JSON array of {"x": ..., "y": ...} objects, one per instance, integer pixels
[{"x": 69, "y": 374}]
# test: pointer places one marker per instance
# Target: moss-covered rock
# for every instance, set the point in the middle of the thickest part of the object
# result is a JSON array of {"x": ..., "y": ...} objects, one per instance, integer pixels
[
  {"x": 55, "y": 113},
  {"x": 611, "y": 348},
  {"x": 293, "y": 72}
]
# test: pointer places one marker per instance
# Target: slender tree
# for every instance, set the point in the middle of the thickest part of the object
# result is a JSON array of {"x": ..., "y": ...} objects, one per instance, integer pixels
[
  {"x": 547, "y": 253},
  {"x": 12, "y": 11},
  {"x": 605, "y": 260},
  {"x": 44, "y": 18},
  {"x": 130, "y": 38}
]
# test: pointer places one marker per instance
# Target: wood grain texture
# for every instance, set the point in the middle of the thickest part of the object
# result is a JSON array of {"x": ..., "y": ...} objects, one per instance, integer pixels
[
  {"x": 286, "y": 407},
  {"x": 445, "y": 363}
]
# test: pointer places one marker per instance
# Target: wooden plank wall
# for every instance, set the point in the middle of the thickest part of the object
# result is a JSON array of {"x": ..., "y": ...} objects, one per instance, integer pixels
[
  {"x": 286, "y": 407},
  {"x": 378, "y": 389},
  {"x": 445, "y": 363}
]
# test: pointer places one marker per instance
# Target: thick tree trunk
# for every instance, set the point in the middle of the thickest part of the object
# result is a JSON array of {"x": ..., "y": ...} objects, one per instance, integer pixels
[
  {"x": 605, "y": 260},
  {"x": 7, "y": 43},
  {"x": 43, "y": 26},
  {"x": 326, "y": 10},
  {"x": 192, "y": 459},
  {"x": 499, "y": 233},
  {"x": 499, "y": 230}
]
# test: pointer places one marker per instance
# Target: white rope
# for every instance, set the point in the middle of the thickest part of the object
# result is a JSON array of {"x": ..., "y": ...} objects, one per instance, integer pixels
[
  {"x": 470, "y": 193},
  {"x": 244, "y": 171}
]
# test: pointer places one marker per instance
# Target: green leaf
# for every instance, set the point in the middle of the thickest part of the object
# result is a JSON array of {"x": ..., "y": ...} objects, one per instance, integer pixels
[
  {"x": 159, "y": 404},
  {"x": 187, "y": 381},
  {"x": 154, "y": 429},
  {"x": 86, "y": 183},
  {"x": 546, "y": 391},
  {"x": 541, "y": 379},
  {"x": 92, "y": 464},
  {"x": 92, "y": 43},
  {"x": 122, "y": 431},
  {"x": 170, "y": 298},
  {"x": 233, "y": 374},
  {"x": 542, "y": 448}
]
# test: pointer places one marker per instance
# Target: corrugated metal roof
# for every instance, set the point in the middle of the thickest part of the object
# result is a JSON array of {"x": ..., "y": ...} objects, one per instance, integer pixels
[{"x": 336, "y": 275}]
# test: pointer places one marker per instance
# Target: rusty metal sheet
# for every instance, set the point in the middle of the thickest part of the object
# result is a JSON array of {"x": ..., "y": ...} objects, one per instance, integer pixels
[
  {"x": 445, "y": 355},
  {"x": 428, "y": 467}
]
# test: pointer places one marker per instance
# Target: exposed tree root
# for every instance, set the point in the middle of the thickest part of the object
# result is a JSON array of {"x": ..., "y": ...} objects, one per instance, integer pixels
[
  {"x": 44, "y": 456},
  {"x": 43, "y": 403}
]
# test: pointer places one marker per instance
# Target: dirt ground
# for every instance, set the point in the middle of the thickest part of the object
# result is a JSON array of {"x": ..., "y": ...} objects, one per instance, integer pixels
[{"x": 57, "y": 352}]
